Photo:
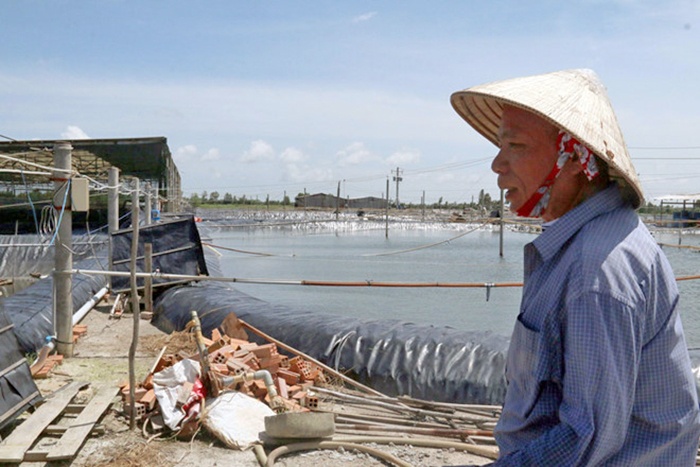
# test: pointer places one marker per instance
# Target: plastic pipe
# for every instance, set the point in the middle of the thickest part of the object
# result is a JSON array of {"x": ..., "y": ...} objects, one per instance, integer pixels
[
  {"x": 44, "y": 352},
  {"x": 290, "y": 448},
  {"x": 80, "y": 314},
  {"x": 249, "y": 375}
]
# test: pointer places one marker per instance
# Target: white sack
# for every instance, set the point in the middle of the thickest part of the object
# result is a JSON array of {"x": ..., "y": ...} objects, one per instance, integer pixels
[
  {"x": 166, "y": 385},
  {"x": 236, "y": 419}
]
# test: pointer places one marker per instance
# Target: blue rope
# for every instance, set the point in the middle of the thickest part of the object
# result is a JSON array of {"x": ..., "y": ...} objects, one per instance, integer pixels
[
  {"x": 63, "y": 208},
  {"x": 26, "y": 190}
]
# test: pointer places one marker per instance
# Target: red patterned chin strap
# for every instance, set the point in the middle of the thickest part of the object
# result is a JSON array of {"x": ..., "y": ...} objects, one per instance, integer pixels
[{"x": 569, "y": 148}]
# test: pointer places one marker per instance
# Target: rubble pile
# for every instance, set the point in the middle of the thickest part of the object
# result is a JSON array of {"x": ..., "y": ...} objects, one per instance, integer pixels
[{"x": 233, "y": 364}]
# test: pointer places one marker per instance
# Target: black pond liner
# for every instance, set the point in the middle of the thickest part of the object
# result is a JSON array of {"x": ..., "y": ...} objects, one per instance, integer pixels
[
  {"x": 31, "y": 310},
  {"x": 392, "y": 356}
]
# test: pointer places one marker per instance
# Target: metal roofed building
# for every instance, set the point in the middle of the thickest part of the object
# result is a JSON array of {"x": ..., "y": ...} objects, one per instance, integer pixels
[{"x": 149, "y": 159}]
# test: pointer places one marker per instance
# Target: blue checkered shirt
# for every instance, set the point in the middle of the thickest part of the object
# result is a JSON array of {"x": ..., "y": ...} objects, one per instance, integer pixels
[{"x": 598, "y": 369}]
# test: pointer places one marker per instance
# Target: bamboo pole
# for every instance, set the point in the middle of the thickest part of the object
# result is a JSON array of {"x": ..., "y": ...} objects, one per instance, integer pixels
[{"x": 135, "y": 306}]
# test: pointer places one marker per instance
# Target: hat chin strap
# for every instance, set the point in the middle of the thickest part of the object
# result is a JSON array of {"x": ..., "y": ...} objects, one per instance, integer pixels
[
  {"x": 536, "y": 205},
  {"x": 569, "y": 148}
]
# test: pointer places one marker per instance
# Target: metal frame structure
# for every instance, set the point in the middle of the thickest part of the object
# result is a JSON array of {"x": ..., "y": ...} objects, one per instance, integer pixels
[{"x": 149, "y": 159}]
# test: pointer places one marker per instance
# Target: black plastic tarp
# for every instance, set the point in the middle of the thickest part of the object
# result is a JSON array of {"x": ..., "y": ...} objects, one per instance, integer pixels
[
  {"x": 17, "y": 389},
  {"x": 31, "y": 310},
  {"x": 177, "y": 249}
]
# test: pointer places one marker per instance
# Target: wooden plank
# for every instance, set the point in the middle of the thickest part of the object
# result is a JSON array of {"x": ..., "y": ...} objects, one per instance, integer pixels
[
  {"x": 59, "y": 430},
  {"x": 13, "y": 447},
  {"x": 73, "y": 439}
]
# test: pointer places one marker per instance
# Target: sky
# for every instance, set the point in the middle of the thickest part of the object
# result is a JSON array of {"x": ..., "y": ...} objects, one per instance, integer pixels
[{"x": 272, "y": 98}]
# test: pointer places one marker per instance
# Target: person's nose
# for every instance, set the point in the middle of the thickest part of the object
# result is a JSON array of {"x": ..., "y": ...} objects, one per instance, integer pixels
[{"x": 499, "y": 164}]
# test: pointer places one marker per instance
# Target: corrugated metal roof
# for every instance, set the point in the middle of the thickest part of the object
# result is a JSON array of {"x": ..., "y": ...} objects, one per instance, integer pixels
[{"x": 149, "y": 159}]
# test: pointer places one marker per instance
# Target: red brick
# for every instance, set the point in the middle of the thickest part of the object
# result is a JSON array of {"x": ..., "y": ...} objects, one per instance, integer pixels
[
  {"x": 149, "y": 399},
  {"x": 290, "y": 377}
]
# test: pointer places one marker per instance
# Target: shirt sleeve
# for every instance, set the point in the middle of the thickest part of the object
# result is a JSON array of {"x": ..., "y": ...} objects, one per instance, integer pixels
[{"x": 601, "y": 352}]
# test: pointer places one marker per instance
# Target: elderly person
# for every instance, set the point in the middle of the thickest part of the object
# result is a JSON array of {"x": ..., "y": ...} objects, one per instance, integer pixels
[{"x": 598, "y": 370}]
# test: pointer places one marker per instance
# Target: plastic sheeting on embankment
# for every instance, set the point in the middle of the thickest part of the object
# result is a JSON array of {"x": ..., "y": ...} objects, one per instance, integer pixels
[
  {"x": 22, "y": 255},
  {"x": 395, "y": 357},
  {"x": 31, "y": 310}
]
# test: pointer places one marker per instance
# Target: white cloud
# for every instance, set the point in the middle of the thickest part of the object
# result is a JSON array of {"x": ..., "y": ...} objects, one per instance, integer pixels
[
  {"x": 190, "y": 153},
  {"x": 185, "y": 152},
  {"x": 403, "y": 157},
  {"x": 292, "y": 156},
  {"x": 74, "y": 132},
  {"x": 259, "y": 151},
  {"x": 306, "y": 174},
  {"x": 364, "y": 17},
  {"x": 354, "y": 154},
  {"x": 212, "y": 154}
]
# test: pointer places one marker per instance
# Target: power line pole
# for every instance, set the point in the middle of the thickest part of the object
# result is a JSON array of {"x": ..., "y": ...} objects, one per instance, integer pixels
[{"x": 397, "y": 178}]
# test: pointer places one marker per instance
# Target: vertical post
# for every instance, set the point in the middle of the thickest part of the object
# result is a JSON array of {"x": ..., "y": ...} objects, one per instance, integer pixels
[
  {"x": 397, "y": 179},
  {"x": 63, "y": 256},
  {"x": 386, "y": 210},
  {"x": 681, "y": 224},
  {"x": 147, "y": 203},
  {"x": 500, "y": 246},
  {"x": 112, "y": 211},
  {"x": 337, "y": 202},
  {"x": 156, "y": 205},
  {"x": 148, "y": 281},
  {"x": 135, "y": 307}
]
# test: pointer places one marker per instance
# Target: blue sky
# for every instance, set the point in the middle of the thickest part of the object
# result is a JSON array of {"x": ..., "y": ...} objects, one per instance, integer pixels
[{"x": 267, "y": 98}]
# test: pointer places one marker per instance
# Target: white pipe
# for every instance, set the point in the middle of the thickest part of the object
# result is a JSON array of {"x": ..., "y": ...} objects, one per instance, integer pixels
[
  {"x": 43, "y": 353},
  {"x": 267, "y": 379},
  {"x": 80, "y": 314}
]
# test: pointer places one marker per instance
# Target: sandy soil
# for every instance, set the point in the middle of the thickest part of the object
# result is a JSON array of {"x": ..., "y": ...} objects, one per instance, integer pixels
[{"x": 101, "y": 356}]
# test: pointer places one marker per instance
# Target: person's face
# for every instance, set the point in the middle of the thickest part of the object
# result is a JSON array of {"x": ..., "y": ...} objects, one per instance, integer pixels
[{"x": 527, "y": 154}]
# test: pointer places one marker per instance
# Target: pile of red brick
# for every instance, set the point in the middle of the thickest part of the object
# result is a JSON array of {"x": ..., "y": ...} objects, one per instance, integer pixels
[{"x": 229, "y": 357}]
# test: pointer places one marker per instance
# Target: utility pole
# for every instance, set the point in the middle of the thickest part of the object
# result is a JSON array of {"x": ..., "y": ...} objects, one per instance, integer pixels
[
  {"x": 386, "y": 211},
  {"x": 63, "y": 252},
  {"x": 337, "y": 202},
  {"x": 397, "y": 178},
  {"x": 500, "y": 236}
]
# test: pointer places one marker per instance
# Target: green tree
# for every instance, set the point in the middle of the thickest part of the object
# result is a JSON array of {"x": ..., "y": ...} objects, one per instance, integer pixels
[
  {"x": 228, "y": 199},
  {"x": 214, "y": 197}
]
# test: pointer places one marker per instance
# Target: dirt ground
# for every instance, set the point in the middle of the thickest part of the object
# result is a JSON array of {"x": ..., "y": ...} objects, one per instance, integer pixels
[{"x": 101, "y": 356}]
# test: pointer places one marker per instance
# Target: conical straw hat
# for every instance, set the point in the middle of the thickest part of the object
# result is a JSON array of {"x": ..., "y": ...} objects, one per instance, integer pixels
[{"x": 573, "y": 100}]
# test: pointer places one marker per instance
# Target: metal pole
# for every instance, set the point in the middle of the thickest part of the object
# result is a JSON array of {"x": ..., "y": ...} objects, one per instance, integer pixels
[
  {"x": 386, "y": 210},
  {"x": 337, "y": 202},
  {"x": 63, "y": 256},
  {"x": 148, "y": 281},
  {"x": 147, "y": 203},
  {"x": 112, "y": 210},
  {"x": 500, "y": 239},
  {"x": 156, "y": 198}
]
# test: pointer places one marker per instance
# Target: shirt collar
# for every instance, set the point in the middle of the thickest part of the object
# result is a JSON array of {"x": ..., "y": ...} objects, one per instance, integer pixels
[{"x": 558, "y": 233}]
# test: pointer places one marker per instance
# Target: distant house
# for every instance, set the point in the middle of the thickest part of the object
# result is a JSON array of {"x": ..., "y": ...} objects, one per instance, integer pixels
[
  {"x": 368, "y": 202},
  {"x": 318, "y": 200},
  {"x": 323, "y": 200}
]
